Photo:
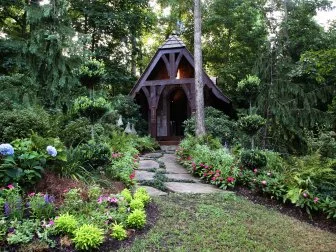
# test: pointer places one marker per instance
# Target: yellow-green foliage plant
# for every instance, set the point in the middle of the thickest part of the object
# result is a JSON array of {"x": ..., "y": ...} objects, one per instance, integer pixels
[
  {"x": 119, "y": 232},
  {"x": 126, "y": 194},
  {"x": 137, "y": 204},
  {"x": 88, "y": 237},
  {"x": 142, "y": 194},
  {"x": 136, "y": 219},
  {"x": 66, "y": 223}
]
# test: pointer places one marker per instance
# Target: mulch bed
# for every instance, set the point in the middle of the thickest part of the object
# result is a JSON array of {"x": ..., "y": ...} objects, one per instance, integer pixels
[
  {"x": 109, "y": 245},
  {"x": 317, "y": 220},
  {"x": 152, "y": 215},
  {"x": 55, "y": 185}
]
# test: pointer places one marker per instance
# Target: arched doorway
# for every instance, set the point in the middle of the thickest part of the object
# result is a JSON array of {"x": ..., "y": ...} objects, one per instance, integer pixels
[{"x": 179, "y": 111}]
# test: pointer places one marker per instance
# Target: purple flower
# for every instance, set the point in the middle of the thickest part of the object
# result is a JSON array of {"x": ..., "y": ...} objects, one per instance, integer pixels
[
  {"x": 49, "y": 199},
  {"x": 7, "y": 209},
  {"x": 51, "y": 223},
  {"x": 51, "y": 151},
  {"x": 11, "y": 230}
]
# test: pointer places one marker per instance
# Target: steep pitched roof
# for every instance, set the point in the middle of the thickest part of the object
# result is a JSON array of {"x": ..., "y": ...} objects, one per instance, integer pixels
[{"x": 172, "y": 42}]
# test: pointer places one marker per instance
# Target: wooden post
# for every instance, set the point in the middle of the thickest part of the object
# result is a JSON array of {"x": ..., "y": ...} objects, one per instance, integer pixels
[
  {"x": 153, "y": 107},
  {"x": 153, "y": 122}
]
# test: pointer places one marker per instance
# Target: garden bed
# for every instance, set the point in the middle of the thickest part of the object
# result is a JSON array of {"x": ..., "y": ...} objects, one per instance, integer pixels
[{"x": 317, "y": 220}]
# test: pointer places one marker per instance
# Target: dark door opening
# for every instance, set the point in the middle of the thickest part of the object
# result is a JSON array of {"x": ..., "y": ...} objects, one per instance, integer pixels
[{"x": 178, "y": 112}]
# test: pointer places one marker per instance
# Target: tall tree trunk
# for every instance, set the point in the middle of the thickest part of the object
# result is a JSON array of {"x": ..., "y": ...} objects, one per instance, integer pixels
[
  {"x": 133, "y": 54},
  {"x": 200, "y": 125}
]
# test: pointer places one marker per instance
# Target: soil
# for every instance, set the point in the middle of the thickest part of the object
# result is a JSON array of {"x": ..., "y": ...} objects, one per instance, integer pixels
[
  {"x": 110, "y": 244},
  {"x": 152, "y": 215},
  {"x": 54, "y": 185},
  {"x": 317, "y": 220}
]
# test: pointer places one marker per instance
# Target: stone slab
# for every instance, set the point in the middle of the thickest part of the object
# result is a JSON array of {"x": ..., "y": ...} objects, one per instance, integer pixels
[
  {"x": 178, "y": 187},
  {"x": 171, "y": 164},
  {"x": 153, "y": 155},
  {"x": 168, "y": 158},
  {"x": 169, "y": 148},
  {"x": 144, "y": 175},
  {"x": 154, "y": 192},
  {"x": 148, "y": 165},
  {"x": 181, "y": 177}
]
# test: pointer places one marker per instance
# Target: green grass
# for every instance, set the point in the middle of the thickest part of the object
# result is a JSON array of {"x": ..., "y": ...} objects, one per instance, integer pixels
[{"x": 225, "y": 222}]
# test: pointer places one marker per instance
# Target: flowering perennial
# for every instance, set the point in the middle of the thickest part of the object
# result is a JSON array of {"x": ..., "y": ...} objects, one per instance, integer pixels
[
  {"x": 51, "y": 151},
  {"x": 6, "y": 150}
]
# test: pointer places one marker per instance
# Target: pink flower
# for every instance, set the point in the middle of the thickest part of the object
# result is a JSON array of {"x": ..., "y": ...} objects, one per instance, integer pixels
[
  {"x": 305, "y": 195},
  {"x": 31, "y": 194},
  {"x": 316, "y": 199},
  {"x": 255, "y": 170},
  {"x": 230, "y": 179},
  {"x": 10, "y": 186},
  {"x": 113, "y": 200},
  {"x": 100, "y": 200},
  {"x": 264, "y": 182}
]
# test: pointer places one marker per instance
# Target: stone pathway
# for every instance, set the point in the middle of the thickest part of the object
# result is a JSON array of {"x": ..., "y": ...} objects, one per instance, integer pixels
[{"x": 163, "y": 169}]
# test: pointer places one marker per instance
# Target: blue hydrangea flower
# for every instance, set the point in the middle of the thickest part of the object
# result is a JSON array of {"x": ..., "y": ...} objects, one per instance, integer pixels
[
  {"x": 51, "y": 151},
  {"x": 6, "y": 150}
]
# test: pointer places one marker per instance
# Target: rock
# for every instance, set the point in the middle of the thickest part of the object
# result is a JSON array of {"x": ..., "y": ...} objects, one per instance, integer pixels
[
  {"x": 179, "y": 187},
  {"x": 153, "y": 155},
  {"x": 182, "y": 177},
  {"x": 148, "y": 165},
  {"x": 144, "y": 175}
]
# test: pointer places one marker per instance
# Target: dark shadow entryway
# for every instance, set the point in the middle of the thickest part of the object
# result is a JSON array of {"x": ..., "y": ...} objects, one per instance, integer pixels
[{"x": 178, "y": 112}]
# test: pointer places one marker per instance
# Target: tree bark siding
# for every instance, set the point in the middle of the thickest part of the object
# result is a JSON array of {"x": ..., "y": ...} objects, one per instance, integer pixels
[{"x": 200, "y": 127}]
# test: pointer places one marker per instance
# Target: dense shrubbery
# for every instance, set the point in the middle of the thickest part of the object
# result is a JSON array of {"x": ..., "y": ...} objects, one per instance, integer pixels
[
  {"x": 217, "y": 124},
  {"x": 253, "y": 159},
  {"x": 28, "y": 159},
  {"x": 20, "y": 123},
  {"x": 130, "y": 112},
  {"x": 216, "y": 166},
  {"x": 307, "y": 182},
  {"x": 85, "y": 221}
]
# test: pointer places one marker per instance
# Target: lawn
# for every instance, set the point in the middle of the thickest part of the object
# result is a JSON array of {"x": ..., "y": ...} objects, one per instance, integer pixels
[{"x": 226, "y": 222}]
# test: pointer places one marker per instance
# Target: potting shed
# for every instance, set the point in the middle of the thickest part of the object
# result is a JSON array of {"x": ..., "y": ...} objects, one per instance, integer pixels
[{"x": 166, "y": 91}]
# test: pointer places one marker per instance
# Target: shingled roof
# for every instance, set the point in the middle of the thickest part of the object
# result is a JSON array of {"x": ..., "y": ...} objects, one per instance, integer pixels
[{"x": 172, "y": 42}]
